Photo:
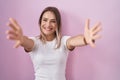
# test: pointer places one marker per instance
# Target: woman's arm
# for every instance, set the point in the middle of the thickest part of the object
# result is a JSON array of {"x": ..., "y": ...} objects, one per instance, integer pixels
[
  {"x": 90, "y": 35},
  {"x": 16, "y": 34}
]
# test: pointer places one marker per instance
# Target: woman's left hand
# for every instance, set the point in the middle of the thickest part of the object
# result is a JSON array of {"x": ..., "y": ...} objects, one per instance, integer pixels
[{"x": 91, "y": 34}]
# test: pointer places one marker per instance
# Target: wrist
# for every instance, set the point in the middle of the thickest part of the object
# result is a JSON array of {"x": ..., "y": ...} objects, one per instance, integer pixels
[
  {"x": 85, "y": 42},
  {"x": 22, "y": 40}
]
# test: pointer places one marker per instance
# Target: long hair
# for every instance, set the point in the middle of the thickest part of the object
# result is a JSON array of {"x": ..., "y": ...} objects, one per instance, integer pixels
[{"x": 58, "y": 30}]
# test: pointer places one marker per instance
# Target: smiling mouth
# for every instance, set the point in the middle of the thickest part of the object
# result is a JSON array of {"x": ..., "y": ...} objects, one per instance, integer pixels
[{"x": 48, "y": 29}]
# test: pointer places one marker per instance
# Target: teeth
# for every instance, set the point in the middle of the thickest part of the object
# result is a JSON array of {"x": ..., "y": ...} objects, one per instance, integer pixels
[{"x": 48, "y": 29}]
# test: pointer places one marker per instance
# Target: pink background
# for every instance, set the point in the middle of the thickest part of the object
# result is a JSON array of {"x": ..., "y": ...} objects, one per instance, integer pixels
[{"x": 84, "y": 63}]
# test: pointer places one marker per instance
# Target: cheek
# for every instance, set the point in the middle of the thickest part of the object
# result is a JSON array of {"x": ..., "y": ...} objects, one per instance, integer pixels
[
  {"x": 42, "y": 23},
  {"x": 54, "y": 26},
  {"x": 41, "y": 28}
]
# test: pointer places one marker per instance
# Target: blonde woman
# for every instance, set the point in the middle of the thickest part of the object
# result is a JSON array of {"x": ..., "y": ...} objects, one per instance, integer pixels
[{"x": 49, "y": 51}]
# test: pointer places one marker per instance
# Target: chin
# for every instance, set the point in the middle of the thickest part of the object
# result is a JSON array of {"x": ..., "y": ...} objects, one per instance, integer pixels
[{"x": 48, "y": 33}]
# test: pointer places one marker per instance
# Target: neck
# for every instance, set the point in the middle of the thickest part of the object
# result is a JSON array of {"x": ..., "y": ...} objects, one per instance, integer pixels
[{"x": 50, "y": 37}]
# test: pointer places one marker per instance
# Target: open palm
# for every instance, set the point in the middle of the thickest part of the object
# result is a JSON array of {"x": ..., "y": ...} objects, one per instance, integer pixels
[
  {"x": 91, "y": 33},
  {"x": 15, "y": 33}
]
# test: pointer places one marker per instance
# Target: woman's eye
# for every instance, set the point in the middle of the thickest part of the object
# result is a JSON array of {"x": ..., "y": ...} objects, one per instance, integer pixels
[
  {"x": 45, "y": 20},
  {"x": 53, "y": 21}
]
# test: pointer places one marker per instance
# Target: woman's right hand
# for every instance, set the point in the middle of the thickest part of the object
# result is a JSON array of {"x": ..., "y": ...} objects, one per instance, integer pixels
[{"x": 15, "y": 33}]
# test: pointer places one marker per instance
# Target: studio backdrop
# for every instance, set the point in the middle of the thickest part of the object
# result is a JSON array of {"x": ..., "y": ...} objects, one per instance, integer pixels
[{"x": 84, "y": 63}]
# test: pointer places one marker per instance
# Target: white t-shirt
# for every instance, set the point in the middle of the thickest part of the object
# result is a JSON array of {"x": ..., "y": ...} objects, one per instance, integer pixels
[{"x": 49, "y": 63}]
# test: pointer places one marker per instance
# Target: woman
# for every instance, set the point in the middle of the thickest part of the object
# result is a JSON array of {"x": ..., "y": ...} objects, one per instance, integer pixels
[{"x": 49, "y": 51}]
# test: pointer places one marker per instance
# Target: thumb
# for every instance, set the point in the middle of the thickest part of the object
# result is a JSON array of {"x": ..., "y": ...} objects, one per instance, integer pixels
[{"x": 17, "y": 44}]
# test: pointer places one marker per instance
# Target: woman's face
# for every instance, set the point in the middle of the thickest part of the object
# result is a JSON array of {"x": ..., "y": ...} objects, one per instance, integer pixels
[{"x": 48, "y": 23}]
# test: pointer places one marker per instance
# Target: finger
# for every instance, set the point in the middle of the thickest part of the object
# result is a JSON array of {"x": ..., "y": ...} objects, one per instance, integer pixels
[
  {"x": 87, "y": 24},
  {"x": 11, "y": 32},
  {"x": 95, "y": 26},
  {"x": 17, "y": 44},
  {"x": 97, "y": 37},
  {"x": 12, "y": 26},
  {"x": 11, "y": 37},
  {"x": 98, "y": 29},
  {"x": 14, "y": 23}
]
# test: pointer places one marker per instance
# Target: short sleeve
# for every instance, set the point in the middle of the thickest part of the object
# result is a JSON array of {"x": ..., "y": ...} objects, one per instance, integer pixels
[
  {"x": 64, "y": 41},
  {"x": 36, "y": 43}
]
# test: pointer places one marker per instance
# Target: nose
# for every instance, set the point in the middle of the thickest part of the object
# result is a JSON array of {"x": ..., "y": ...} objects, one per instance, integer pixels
[{"x": 47, "y": 24}]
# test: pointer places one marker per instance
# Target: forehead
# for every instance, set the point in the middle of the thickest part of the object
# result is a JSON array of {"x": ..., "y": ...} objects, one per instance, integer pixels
[{"x": 49, "y": 15}]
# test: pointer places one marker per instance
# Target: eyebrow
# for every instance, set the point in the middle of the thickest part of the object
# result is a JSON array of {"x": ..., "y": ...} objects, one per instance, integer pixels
[{"x": 47, "y": 18}]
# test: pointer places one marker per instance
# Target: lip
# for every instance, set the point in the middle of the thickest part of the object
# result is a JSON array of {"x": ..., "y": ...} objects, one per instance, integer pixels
[{"x": 48, "y": 29}]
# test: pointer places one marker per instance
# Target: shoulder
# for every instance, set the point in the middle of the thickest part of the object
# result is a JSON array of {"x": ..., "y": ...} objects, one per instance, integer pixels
[
  {"x": 35, "y": 39},
  {"x": 64, "y": 39}
]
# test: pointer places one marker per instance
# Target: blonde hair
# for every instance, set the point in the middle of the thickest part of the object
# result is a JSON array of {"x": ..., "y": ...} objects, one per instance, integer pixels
[{"x": 58, "y": 30}]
